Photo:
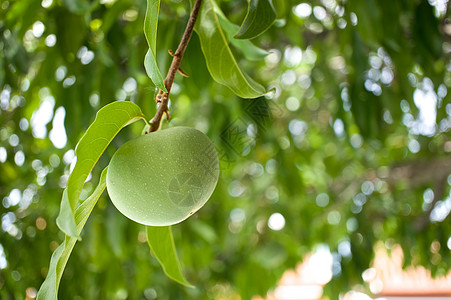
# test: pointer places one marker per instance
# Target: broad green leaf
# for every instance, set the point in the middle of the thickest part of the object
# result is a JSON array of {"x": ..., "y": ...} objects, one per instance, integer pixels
[
  {"x": 150, "y": 31},
  {"x": 220, "y": 61},
  {"x": 49, "y": 288},
  {"x": 161, "y": 242},
  {"x": 260, "y": 16},
  {"x": 250, "y": 51},
  {"x": 109, "y": 121}
]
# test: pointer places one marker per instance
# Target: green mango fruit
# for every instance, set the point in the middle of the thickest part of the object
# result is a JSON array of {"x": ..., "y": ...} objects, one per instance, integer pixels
[{"x": 162, "y": 178}]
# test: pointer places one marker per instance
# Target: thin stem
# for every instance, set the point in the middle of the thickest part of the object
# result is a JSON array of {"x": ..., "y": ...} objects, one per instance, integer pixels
[{"x": 162, "y": 98}]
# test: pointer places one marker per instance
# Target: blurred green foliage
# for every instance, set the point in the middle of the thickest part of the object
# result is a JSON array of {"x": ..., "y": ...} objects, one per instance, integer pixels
[{"x": 351, "y": 146}]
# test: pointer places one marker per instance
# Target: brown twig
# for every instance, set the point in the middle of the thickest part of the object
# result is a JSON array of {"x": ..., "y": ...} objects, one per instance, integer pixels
[{"x": 162, "y": 98}]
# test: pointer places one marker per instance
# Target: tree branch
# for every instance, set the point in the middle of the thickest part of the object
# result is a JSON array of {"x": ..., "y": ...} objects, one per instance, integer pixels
[{"x": 163, "y": 98}]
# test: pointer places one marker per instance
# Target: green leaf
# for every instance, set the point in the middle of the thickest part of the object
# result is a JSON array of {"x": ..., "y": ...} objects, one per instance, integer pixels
[
  {"x": 161, "y": 243},
  {"x": 260, "y": 16},
  {"x": 250, "y": 51},
  {"x": 109, "y": 121},
  {"x": 65, "y": 218},
  {"x": 220, "y": 61},
  {"x": 150, "y": 64},
  {"x": 150, "y": 31},
  {"x": 49, "y": 288}
]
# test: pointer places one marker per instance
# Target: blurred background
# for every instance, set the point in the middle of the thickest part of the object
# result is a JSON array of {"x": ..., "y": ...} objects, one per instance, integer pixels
[{"x": 330, "y": 184}]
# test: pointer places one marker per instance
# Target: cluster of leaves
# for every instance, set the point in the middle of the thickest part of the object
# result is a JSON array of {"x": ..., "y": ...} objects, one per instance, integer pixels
[{"x": 338, "y": 148}]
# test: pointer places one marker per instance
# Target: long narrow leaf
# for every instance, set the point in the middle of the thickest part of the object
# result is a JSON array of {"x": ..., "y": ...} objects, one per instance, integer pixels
[
  {"x": 219, "y": 58},
  {"x": 161, "y": 242},
  {"x": 260, "y": 16},
  {"x": 150, "y": 31},
  {"x": 109, "y": 121},
  {"x": 49, "y": 288}
]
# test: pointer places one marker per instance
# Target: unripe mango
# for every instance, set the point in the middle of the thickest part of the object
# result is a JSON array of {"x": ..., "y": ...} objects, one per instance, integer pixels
[{"x": 163, "y": 177}]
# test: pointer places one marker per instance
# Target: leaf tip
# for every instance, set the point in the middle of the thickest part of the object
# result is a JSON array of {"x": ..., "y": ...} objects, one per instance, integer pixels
[{"x": 189, "y": 285}]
